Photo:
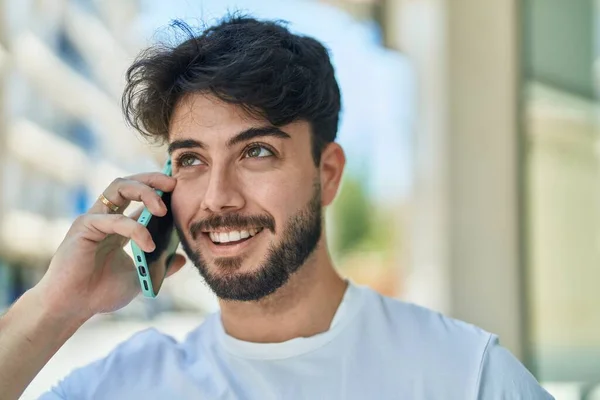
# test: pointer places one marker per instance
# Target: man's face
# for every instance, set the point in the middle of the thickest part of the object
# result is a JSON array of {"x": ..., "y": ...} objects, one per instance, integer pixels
[{"x": 247, "y": 203}]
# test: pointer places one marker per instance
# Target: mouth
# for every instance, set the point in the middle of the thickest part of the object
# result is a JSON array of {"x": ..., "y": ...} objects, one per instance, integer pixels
[
  {"x": 231, "y": 242},
  {"x": 232, "y": 237}
]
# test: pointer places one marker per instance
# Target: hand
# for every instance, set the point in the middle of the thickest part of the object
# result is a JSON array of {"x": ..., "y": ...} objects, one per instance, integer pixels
[{"x": 90, "y": 272}]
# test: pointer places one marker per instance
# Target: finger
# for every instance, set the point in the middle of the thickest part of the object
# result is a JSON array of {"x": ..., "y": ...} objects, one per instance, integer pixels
[
  {"x": 156, "y": 180},
  {"x": 135, "y": 215},
  {"x": 137, "y": 187},
  {"x": 111, "y": 193},
  {"x": 136, "y": 191},
  {"x": 96, "y": 227},
  {"x": 176, "y": 264}
]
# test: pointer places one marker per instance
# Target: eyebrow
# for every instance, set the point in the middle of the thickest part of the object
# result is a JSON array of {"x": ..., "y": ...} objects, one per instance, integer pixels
[
  {"x": 244, "y": 136},
  {"x": 184, "y": 144},
  {"x": 254, "y": 133}
]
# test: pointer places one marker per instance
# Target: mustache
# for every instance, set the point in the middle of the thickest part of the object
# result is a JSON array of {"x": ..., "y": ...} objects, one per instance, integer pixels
[{"x": 233, "y": 222}]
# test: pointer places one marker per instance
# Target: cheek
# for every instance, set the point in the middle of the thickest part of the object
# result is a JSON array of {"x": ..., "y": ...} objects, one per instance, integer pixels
[
  {"x": 280, "y": 195},
  {"x": 184, "y": 204}
]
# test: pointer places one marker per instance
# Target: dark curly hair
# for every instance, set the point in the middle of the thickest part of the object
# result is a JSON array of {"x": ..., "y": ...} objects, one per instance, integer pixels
[{"x": 258, "y": 65}]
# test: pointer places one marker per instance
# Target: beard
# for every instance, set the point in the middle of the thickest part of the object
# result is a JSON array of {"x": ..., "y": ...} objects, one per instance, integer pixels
[{"x": 300, "y": 238}]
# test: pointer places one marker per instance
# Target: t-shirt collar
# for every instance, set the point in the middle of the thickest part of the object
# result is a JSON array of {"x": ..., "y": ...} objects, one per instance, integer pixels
[{"x": 347, "y": 309}]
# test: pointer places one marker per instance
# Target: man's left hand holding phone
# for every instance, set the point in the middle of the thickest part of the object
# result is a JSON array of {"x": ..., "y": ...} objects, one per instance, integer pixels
[{"x": 90, "y": 273}]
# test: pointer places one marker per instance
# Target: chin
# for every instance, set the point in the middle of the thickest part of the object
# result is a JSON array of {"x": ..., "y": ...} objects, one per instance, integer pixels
[{"x": 231, "y": 266}]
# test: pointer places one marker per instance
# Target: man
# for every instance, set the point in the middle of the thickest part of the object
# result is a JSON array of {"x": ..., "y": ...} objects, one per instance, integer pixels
[{"x": 250, "y": 113}]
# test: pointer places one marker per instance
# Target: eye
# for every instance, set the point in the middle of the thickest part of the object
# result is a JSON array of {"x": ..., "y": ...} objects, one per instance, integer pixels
[
  {"x": 188, "y": 160},
  {"x": 258, "y": 152}
]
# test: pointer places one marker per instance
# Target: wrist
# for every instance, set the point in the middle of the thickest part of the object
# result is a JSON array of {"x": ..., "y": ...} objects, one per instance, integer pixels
[{"x": 52, "y": 315}]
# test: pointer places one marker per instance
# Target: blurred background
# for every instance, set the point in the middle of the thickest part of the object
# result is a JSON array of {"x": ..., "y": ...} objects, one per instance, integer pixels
[{"x": 472, "y": 135}]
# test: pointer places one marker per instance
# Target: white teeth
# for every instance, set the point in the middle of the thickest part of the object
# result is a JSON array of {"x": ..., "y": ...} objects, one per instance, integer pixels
[
  {"x": 223, "y": 237},
  {"x": 232, "y": 236}
]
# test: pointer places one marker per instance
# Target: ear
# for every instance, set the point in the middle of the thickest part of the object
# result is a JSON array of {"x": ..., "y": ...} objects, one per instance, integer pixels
[
  {"x": 333, "y": 161},
  {"x": 177, "y": 263}
]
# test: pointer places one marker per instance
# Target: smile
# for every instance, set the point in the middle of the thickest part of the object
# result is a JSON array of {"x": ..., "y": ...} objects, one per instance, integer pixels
[{"x": 232, "y": 236}]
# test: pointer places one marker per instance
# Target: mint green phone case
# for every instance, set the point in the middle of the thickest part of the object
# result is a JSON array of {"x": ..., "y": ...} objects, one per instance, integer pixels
[{"x": 139, "y": 256}]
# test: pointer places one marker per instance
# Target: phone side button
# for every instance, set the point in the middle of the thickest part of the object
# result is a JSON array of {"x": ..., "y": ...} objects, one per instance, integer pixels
[
  {"x": 142, "y": 270},
  {"x": 145, "y": 285}
]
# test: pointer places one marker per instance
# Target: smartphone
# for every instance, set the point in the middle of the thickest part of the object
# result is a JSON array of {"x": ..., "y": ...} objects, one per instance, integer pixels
[{"x": 152, "y": 267}]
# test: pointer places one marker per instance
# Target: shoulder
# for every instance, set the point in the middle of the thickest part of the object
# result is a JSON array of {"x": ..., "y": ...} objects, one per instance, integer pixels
[
  {"x": 145, "y": 346},
  {"x": 432, "y": 330},
  {"x": 503, "y": 376},
  {"x": 444, "y": 347},
  {"x": 133, "y": 363},
  {"x": 120, "y": 365},
  {"x": 444, "y": 354}
]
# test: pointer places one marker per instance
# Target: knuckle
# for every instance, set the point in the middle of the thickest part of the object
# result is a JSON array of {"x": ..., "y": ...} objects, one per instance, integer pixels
[
  {"x": 152, "y": 195},
  {"x": 118, "y": 182},
  {"x": 140, "y": 230},
  {"x": 116, "y": 219},
  {"x": 120, "y": 218},
  {"x": 81, "y": 220},
  {"x": 153, "y": 180},
  {"x": 81, "y": 224},
  {"x": 144, "y": 177},
  {"x": 147, "y": 193}
]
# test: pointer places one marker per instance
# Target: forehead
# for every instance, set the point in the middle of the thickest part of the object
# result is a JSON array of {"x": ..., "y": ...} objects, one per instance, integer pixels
[{"x": 199, "y": 114}]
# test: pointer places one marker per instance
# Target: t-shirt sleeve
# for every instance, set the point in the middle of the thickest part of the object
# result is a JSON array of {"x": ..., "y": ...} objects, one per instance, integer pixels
[
  {"x": 503, "y": 377},
  {"x": 55, "y": 394},
  {"x": 75, "y": 385},
  {"x": 119, "y": 369}
]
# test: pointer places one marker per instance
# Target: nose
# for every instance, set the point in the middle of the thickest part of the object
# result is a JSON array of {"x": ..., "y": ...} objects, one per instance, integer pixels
[{"x": 222, "y": 193}]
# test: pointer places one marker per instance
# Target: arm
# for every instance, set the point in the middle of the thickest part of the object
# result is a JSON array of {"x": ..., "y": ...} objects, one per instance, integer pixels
[
  {"x": 90, "y": 273},
  {"x": 29, "y": 336}
]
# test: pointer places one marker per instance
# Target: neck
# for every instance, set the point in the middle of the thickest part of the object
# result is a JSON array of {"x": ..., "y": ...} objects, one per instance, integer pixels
[{"x": 303, "y": 307}]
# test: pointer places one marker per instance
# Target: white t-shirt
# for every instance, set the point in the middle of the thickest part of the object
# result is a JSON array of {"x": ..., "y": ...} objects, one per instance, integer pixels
[{"x": 376, "y": 348}]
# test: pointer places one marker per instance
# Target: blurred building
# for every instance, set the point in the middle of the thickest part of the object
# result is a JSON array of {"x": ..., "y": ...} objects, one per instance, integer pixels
[
  {"x": 62, "y": 136},
  {"x": 504, "y": 226}
]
